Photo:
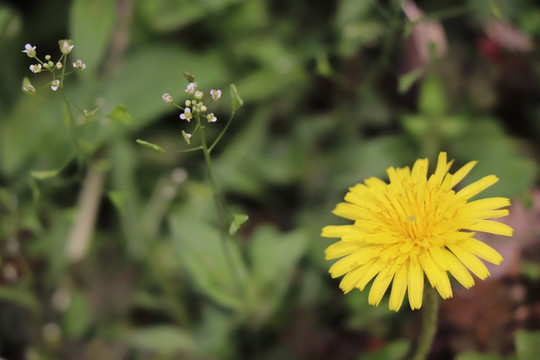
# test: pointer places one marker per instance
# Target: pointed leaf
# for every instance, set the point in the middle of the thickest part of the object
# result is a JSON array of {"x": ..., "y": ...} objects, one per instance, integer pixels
[
  {"x": 432, "y": 99},
  {"x": 527, "y": 345},
  {"x": 238, "y": 220},
  {"x": 214, "y": 264},
  {"x": 120, "y": 114},
  {"x": 236, "y": 100},
  {"x": 407, "y": 80},
  {"x": 164, "y": 340},
  {"x": 150, "y": 146},
  {"x": 44, "y": 174}
]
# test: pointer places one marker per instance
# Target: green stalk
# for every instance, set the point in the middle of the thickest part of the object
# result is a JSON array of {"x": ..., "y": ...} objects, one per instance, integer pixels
[
  {"x": 429, "y": 323},
  {"x": 220, "y": 204},
  {"x": 72, "y": 128}
]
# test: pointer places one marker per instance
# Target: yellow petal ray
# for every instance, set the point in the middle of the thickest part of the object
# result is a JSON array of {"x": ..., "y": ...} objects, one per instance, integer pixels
[
  {"x": 349, "y": 211},
  {"x": 379, "y": 286},
  {"x": 370, "y": 271},
  {"x": 440, "y": 170},
  {"x": 487, "y": 204},
  {"x": 350, "y": 280},
  {"x": 419, "y": 170},
  {"x": 415, "y": 284},
  {"x": 439, "y": 254},
  {"x": 381, "y": 238},
  {"x": 476, "y": 187},
  {"x": 467, "y": 214},
  {"x": 340, "y": 249},
  {"x": 461, "y": 173},
  {"x": 468, "y": 259},
  {"x": 393, "y": 176},
  {"x": 493, "y": 227},
  {"x": 458, "y": 270},
  {"x": 482, "y": 250},
  {"x": 436, "y": 275},
  {"x": 375, "y": 182},
  {"x": 399, "y": 287},
  {"x": 335, "y": 231},
  {"x": 353, "y": 260}
]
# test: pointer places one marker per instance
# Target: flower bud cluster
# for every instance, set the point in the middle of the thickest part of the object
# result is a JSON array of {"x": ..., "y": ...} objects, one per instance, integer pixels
[{"x": 65, "y": 48}]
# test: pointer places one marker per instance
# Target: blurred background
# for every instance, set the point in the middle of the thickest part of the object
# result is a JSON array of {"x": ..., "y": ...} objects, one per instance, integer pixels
[{"x": 112, "y": 251}]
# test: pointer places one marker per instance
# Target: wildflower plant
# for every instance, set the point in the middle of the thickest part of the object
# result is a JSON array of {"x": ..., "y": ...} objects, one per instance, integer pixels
[
  {"x": 58, "y": 71},
  {"x": 194, "y": 111}
]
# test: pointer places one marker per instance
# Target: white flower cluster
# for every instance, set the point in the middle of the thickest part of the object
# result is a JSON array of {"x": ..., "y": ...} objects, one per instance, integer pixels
[
  {"x": 65, "y": 48},
  {"x": 194, "y": 107}
]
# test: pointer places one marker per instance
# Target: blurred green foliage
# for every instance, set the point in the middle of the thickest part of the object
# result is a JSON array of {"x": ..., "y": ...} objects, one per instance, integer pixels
[{"x": 332, "y": 95}]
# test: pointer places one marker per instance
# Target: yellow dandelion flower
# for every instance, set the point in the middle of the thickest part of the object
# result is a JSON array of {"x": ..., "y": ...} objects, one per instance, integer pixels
[{"x": 415, "y": 226}]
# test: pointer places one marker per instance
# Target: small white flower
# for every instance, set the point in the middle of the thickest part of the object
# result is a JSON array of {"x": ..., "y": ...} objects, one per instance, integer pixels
[
  {"x": 35, "y": 68},
  {"x": 79, "y": 64},
  {"x": 29, "y": 50},
  {"x": 55, "y": 84},
  {"x": 167, "y": 98},
  {"x": 211, "y": 117},
  {"x": 186, "y": 115},
  {"x": 190, "y": 89},
  {"x": 202, "y": 108},
  {"x": 66, "y": 46},
  {"x": 186, "y": 136},
  {"x": 59, "y": 65},
  {"x": 198, "y": 94},
  {"x": 188, "y": 103},
  {"x": 29, "y": 88},
  {"x": 216, "y": 94}
]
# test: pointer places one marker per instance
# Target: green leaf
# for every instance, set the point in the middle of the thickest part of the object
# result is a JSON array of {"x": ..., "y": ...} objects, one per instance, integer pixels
[
  {"x": 78, "y": 316},
  {"x": 395, "y": 350},
  {"x": 44, "y": 174},
  {"x": 119, "y": 199},
  {"x": 10, "y": 23},
  {"x": 91, "y": 24},
  {"x": 214, "y": 264},
  {"x": 236, "y": 100},
  {"x": 120, "y": 114},
  {"x": 274, "y": 257},
  {"x": 495, "y": 10},
  {"x": 20, "y": 296},
  {"x": 407, "y": 80},
  {"x": 150, "y": 146},
  {"x": 432, "y": 99},
  {"x": 477, "y": 356},
  {"x": 527, "y": 345},
  {"x": 238, "y": 220},
  {"x": 50, "y": 139},
  {"x": 167, "y": 16},
  {"x": 486, "y": 141},
  {"x": 416, "y": 125},
  {"x": 164, "y": 340}
]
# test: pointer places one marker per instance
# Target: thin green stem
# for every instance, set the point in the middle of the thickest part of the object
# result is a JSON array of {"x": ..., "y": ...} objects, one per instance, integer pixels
[
  {"x": 222, "y": 132},
  {"x": 187, "y": 150},
  {"x": 73, "y": 131},
  {"x": 220, "y": 205},
  {"x": 429, "y": 323}
]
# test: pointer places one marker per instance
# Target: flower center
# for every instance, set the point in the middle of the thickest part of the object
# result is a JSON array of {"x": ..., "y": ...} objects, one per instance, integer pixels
[{"x": 411, "y": 218}]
